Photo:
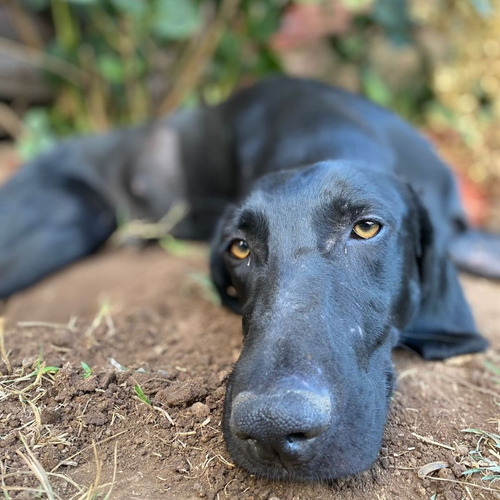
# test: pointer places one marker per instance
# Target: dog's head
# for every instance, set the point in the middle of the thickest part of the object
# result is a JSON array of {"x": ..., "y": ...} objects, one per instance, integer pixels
[{"x": 327, "y": 264}]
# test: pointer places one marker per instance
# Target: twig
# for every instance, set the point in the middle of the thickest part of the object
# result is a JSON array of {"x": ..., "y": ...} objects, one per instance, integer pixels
[
  {"x": 10, "y": 122},
  {"x": 137, "y": 103},
  {"x": 476, "y": 388},
  {"x": 430, "y": 441},
  {"x": 40, "y": 59},
  {"x": 3, "y": 352},
  {"x": 25, "y": 27},
  {"x": 70, "y": 325},
  {"x": 36, "y": 468},
  {"x": 115, "y": 468},
  {"x": 141, "y": 230},
  {"x": 463, "y": 483},
  {"x": 469, "y": 494},
  {"x": 202, "y": 51}
]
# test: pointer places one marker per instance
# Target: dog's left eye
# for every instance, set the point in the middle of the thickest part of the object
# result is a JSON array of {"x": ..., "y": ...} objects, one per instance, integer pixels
[
  {"x": 239, "y": 249},
  {"x": 366, "y": 229}
]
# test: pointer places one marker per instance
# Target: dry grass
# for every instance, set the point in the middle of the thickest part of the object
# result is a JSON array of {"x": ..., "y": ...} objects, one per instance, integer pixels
[{"x": 26, "y": 385}]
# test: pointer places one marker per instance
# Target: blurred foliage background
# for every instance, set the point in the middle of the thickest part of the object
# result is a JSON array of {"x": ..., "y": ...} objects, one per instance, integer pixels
[{"x": 80, "y": 66}]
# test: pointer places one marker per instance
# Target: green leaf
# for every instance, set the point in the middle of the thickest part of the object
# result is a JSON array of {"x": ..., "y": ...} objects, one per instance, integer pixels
[
  {"x": 36, "y": 5},
  {"x": 493, "y": 368},
  {"x": 173, "y": 246},
  {"x": 483, "y": 7},
  {"x": 175, "y": 19},
  {"x": 393, "y": 16},
  {"x": 141, "y": 395},
  {"x": 136, "y": 8},
  {"x": 262, "y": 20},
  {"x": 491, "y": 477},
  {"x": 468, "y": 472},
  {"x": 39, "y": 137},
  {"x": 494, "y": 437},
  {"x": 357, "y": 4},
  {"x": 111, "y": 68},
  {"x": 47, "y": 369},
  {"x": 375, "y": 88},
  {"x": 87, "y": 371},
  {"x": 206, "y": 285},
  {"x": 83, "y": 2},
  {"x": 50, "y": 369}
]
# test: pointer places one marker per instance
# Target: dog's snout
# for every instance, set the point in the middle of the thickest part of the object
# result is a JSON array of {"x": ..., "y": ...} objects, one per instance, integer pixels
[{"x": 280, "y": 428}]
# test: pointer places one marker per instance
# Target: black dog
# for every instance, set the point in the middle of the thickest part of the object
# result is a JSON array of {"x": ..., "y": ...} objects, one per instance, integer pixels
[{"x": 337, "y": 251}]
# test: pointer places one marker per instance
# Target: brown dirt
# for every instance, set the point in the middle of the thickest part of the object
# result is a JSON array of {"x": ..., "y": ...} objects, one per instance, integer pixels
[{"x": 149, "y": 312}]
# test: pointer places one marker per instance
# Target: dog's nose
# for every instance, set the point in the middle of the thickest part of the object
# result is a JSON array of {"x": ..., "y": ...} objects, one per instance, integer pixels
[{"x": 280, "y": 428}]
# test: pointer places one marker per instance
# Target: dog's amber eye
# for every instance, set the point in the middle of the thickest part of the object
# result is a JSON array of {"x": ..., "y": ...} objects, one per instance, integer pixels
[
  {"x": 239, "y": 249},
  {"x": 366, "y": 229}
]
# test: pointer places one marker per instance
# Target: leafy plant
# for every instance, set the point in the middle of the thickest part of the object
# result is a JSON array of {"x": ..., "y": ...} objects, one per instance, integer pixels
[
  {"x": 46, "y": 369},
  {"x": 87, "y": 371},
  {"x": 115, "y": 62}
]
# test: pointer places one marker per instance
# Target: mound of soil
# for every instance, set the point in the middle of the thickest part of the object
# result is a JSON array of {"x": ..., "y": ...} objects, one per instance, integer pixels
[{"x": 142, "y": 415}]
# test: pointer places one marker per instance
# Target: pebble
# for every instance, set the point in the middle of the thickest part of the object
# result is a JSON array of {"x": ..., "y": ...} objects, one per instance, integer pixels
[
  {"x": 461, "y": 450},
  {"x": 50, "y": 416},
  {"x": 200, "y": 409},
  {"x": 107, "y": 378},
  {"x": 62, "y": 338},
  {"x": 445, "y": 474}
]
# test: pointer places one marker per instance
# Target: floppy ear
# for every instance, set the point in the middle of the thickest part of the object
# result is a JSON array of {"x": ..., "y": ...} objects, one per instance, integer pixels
[
  {"x": 443, "y": 325},
  {"x": 220, "y": 275}
]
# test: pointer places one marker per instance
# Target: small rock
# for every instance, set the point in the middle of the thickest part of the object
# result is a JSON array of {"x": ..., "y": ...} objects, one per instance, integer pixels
[
  {"x": 87, "y": 384},
  {"x": 182, "y": 393},
  {"x": 451, "y": 495},
  {"x": 198, "y": 487},
  {"x": 62, "y": 338},
  {"x": 461, "y": 450},
  {"x": 106, "y": 379},
  {"x": 9, "y": 440},
  {"x": 50, "y": 457},
  {"x": 96, "y": 418},
  {"x": 51, "y": 416},
  {"x": 458, "y": 469},
  {"x": 14, "y": 422},
  {"x": 445, "y": 474},
  {"x": 200, "y": 410}
]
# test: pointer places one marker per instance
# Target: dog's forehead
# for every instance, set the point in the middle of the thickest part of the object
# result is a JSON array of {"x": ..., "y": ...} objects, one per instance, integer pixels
[{"x": 345, "y": 185}]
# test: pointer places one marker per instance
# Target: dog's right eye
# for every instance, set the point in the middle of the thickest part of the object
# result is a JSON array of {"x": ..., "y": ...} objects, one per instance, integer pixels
[
  {"x": 366, "y": 229},
  {"x": 239, "y": 249}
]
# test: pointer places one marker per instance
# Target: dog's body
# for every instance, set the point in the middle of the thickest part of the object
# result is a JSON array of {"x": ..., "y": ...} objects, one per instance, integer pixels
[{"x": 337, "y": 250}]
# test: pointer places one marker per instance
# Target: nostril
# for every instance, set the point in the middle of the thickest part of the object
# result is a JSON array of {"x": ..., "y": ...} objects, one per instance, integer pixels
[
  {"x": 242, "y": 435},
  {"x": 297, "y": 437}
]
